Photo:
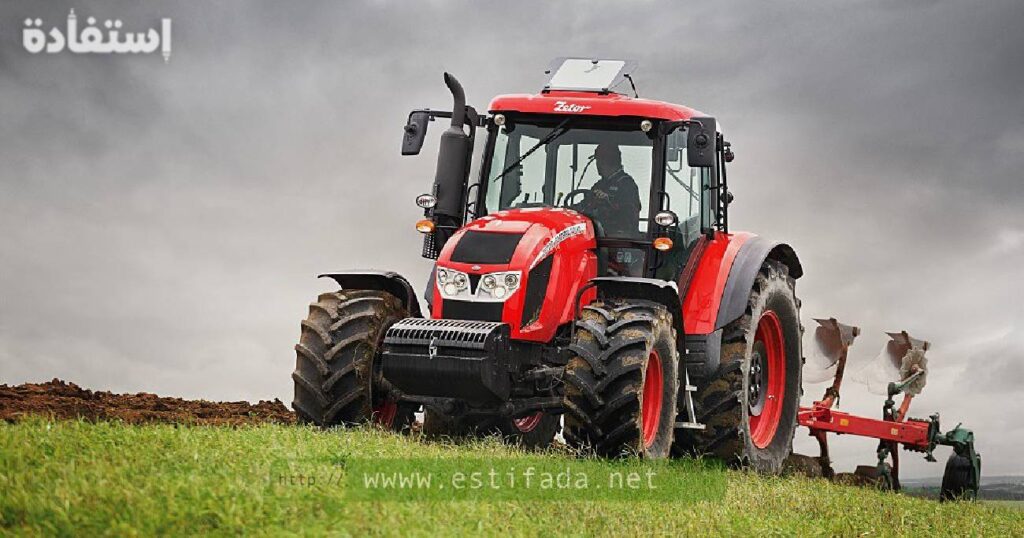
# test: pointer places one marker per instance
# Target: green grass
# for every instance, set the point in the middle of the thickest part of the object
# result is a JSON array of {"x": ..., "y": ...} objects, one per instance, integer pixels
[{"x": 64, "y": 478}]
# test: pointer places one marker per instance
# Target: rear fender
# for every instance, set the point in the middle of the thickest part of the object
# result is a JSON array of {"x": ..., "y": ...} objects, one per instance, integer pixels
[
  {"x": 388, "y": 281},
  {"x": 749, "y": 259},
  {"x": 718, "y": 292}
]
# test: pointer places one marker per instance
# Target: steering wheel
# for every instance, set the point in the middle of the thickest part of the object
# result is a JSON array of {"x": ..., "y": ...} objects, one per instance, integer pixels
[{"x": 567, "y": 201}]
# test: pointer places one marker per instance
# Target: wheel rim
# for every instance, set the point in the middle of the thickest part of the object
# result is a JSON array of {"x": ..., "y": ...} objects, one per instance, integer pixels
[
  {"x": 650, "y": 413},
  {"x": 528, "y": 423},
  {"x": 384, "y": 414},
  {"x": 766, "y": 380}
]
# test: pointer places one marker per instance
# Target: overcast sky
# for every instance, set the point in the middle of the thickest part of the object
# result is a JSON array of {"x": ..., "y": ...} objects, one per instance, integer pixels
[{"x": 163, "y": 224}]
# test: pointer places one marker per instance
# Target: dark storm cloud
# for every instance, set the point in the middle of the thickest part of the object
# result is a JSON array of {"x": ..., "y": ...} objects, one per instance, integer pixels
[{"x": 162, "y": 223}]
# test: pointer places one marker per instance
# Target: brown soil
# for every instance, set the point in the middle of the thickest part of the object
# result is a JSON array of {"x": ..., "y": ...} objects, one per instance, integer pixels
[
  {"x": 799, "y": 464},
  {"x": 63, "y": 400}
]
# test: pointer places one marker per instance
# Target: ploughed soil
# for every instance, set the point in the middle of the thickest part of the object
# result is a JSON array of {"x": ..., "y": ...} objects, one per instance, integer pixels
[{"x": 63, "y": 400}]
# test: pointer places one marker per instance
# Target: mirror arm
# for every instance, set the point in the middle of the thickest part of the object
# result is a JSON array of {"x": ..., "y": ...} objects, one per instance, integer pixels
[
  {"x": 472, "y": 118},
  {"x": 666, "y": 127}
]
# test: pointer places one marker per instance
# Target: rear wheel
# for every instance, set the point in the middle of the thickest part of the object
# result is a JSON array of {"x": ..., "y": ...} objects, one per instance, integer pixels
[
  {"x": 622, "y": 382},
  {"x": 750, "y": 403},
  {"x": 336, "y": 381}
]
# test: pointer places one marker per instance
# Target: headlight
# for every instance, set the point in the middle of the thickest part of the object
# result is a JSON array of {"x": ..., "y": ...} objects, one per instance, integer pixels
[
  {"x": 498, "y": 286},
  {"x": 493, "y": 287},
  {"x": 426, "y": 201},
  {"x": 665, "y": 218},
  {"x": 452, "y": 284}
]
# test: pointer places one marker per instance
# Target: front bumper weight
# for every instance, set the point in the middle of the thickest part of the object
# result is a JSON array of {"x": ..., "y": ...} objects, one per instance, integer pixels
[{"x": 466, "y": 360}]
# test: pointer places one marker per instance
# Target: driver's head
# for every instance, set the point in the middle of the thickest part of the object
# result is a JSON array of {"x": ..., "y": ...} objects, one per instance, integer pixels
[{"x": 608, "y": 158}]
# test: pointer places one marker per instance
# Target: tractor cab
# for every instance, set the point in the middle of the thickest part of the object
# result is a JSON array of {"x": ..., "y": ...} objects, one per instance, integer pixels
[{"x": 608, "y": 169}]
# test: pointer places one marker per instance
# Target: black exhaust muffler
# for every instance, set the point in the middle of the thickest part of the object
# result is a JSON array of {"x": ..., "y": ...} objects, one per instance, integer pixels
[{"x": 453, "y": 161}]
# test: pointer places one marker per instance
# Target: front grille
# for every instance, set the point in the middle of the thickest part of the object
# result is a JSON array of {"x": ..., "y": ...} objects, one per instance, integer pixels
[
  {"x": 440, "y": 332},
  {"x": 536, "y": 288},
  {"x": 473, "y": 311},
  {"x": 485, "y": 247}
]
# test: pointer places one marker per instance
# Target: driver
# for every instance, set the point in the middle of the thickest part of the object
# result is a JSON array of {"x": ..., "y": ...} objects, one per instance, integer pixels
[{"x": 616, "y": 196}]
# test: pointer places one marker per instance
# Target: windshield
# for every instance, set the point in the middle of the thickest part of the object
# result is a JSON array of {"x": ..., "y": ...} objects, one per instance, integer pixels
[{"x": 603, "y": 172}]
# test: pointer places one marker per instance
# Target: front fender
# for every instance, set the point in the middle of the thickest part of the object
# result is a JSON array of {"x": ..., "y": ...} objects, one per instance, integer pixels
[
  {"x": 388, "y": 281},
  {"x": 649, "y": 289}
]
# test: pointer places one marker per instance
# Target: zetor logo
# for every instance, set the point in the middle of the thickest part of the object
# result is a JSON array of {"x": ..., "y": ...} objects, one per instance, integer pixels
[{"x": 562, "y": 106}]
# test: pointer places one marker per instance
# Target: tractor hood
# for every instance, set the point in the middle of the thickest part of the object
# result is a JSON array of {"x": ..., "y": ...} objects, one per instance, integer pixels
[
  {"x": 539, "y": 257},
  {"x": 517, "y": 239}
]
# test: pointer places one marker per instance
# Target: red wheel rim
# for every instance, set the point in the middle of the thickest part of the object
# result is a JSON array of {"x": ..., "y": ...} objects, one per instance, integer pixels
[
  {"x": 769, "y": 335},
  {"x": 650, "y": 412},
  {"x": 528, "y": 423},
  {"x": 384, "y": 414}
]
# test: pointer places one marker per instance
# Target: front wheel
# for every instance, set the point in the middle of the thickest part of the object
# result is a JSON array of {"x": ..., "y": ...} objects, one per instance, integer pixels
[
  {"x": 622, "y": 382},
  {"x": 750, "y": 404},
  {"x": 336, "y": 382}
]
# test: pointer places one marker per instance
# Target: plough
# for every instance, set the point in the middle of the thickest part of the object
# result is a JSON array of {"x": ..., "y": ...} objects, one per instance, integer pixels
[{"x": 904, "y": 359}]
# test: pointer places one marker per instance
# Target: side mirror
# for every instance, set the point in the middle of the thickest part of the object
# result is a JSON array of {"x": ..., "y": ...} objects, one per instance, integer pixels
[
  {"x": 700, "y": 142},
  {"x": 415, "y": 133}
]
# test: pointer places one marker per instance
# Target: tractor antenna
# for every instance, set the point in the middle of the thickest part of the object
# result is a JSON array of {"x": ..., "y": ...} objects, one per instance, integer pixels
[{"x": 630, "y": 79}]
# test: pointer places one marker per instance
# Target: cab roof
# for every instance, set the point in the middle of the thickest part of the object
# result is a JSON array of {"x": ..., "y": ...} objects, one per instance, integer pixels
[{"x": 591, "y": 104}]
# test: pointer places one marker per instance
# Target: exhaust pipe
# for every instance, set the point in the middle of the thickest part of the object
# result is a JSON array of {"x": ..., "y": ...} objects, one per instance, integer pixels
[
  {"x": 453, "y": 157},
  {"x": 459, "y": 98}
]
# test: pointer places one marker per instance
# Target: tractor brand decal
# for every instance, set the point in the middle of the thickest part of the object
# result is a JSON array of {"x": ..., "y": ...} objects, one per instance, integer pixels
[
  {"x": 432, "y": 348},
  {"x": 571, "y": 231},
  {"x": 562, "y": 106}
]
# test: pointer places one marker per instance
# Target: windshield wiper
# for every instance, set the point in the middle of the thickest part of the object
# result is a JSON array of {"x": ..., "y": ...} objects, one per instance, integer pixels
[
  {"x": 558, "y": 131},
  {"x": 693, "y": 194}
]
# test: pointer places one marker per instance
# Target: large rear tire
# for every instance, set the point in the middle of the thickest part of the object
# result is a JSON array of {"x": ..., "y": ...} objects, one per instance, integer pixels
[
  {"x": 750, "y": 404},
  {"x": 622, "y": 382},
  {"x": 335, "y": 379}
]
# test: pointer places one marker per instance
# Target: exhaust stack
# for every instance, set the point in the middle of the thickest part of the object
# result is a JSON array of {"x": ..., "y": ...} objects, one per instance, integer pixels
[{"x": 453, "y": 157}]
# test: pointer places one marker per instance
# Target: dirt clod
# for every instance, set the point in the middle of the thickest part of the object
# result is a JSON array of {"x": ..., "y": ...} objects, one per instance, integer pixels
[{"x": 64, "y": 400}]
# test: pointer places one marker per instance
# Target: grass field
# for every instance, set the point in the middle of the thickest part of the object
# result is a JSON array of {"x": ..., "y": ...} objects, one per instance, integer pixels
[{"x": 68, "y": 477}]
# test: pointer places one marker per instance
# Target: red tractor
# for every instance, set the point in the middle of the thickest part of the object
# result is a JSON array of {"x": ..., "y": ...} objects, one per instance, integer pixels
[{"x": 588, "y": 274}]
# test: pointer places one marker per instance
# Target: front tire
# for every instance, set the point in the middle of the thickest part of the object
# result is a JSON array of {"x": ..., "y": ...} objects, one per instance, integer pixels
[
  {"x": 336, "y": 382},
  {"x": 622, "y": 382},
  {"x": 750, "y": 404}
]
